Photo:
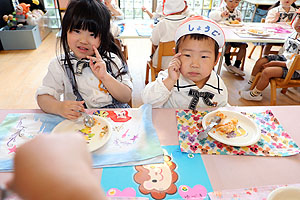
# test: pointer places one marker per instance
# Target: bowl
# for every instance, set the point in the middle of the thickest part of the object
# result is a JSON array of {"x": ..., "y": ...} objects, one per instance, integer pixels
[{"x": 285, "y": 193}]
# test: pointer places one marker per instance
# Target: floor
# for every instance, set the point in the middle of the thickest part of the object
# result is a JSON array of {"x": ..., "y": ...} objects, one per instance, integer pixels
[{"x": 22, "y": 71}]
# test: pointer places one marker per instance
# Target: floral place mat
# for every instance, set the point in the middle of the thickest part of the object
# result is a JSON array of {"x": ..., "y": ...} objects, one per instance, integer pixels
[
  {"x": 258, "y": 193},
  {"x": 274, "y": 140}
]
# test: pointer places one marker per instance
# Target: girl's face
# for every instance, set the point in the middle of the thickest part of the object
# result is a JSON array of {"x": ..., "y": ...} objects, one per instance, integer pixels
[
  {"x": 81, "y": 42},
  {"x": 197, "y": 59},
  {"x": 232, "y": 4},
  {"x": 286, "y": 3},
  {"x": 296, "y": 23}
]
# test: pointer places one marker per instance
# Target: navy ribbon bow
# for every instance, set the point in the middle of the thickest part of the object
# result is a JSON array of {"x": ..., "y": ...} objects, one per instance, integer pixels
[{"x": 206, "y": 97}]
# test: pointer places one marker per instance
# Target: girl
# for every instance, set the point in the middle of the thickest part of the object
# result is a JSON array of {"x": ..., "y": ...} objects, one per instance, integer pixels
[
  {"x": 273, "y": 66},
  {"x": 282, "y": 11},
  {"x": 92, "y": 72}
]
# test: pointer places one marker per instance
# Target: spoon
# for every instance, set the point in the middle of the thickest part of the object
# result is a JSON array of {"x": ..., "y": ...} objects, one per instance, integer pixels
[
  {"x": 87, "y": 119},
  {"x": 215, "y": 121}
]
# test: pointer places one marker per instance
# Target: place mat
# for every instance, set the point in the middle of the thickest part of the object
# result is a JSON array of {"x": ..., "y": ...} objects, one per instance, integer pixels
[
  {"x": 181, "y": 176},
  {"x": 133, "y": 141},
  {"x": 144, "y": 30},
  {"x": 257, "y": 193},
  {"x": 274, "y": 140}
]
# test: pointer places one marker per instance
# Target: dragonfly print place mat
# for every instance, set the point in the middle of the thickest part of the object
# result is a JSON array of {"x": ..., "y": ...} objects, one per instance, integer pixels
[
  {"x": 274, "y": 141},
  {"x": 133, "y": 140}
]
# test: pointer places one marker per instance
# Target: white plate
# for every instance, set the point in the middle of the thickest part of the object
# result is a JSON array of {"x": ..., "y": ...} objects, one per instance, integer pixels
[
  {"x": 251, "y": 135},
  {"x": 259, "y": 34},
  {"x": 95, "y": 141},
  {"x": 286, "y": 193},
  {"x": 234, "y": 25}
]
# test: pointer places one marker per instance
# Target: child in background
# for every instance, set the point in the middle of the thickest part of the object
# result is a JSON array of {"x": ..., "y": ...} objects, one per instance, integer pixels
[
  {"x": 114, "y": 9},
  {"x": 92, "y": 72},
  {"x": 190, "y": 81},
  {"x": 228, "y": 12},
  {"x": 159, "y": 15},
  {"x": 274, "y": 65},
  {"x": 282, "y": 11},
  {"x": 165, "y": 30}
]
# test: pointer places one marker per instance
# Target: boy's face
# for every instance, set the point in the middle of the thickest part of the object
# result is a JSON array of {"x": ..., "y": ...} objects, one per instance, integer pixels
[
  {"x": 232, "y": 4},
  {"x": 287, "y": 3},
  {"x": 197, "y": 59},
  {"x": 296, "y": 23}
]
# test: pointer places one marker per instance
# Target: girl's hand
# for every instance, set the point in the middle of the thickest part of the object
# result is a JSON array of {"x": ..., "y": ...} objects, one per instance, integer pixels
[
  {"x": 270, "y": 64},
  {"x": 69, "y": 109},
  {"x": 277, "y": 15},
  {"x": 97, "y": 65},
  {"x": 174, "y": 67}
]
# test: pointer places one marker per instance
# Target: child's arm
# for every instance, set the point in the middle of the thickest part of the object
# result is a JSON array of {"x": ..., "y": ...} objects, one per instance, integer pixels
[
  {"x": 174, "y": 72},
  {"x": 115, "y": 10},
  {"x": 66, "y": 109},
  {"x": 118, "y": 90},
  {"x": 272, "y": 16},
  {"x": 147, "y": 11},
  {"x": 218, "y": 15}
]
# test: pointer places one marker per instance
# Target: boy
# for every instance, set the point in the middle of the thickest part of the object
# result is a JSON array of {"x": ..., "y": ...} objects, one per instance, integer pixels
[
  {"x": 165, "y": 30},
  {"x": 189, "y": 82},
  {"x": 229, "y": 13},
  {"x": 274, "y": 65}
]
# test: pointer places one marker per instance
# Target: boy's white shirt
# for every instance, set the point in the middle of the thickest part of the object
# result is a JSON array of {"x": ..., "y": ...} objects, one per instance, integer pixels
[
  {"x": 164, "y": 31},
  {"x": 159, "y": 96},
  {"x": 56, "y": 83},
  {"x": 291, "y": 48},
  {"x": 216, "y": 14},
  {"x": 271, "y": 15}
]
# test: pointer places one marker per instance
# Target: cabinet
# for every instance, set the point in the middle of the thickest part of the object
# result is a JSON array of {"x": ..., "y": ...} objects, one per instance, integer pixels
[{"x": 53, "y": 14}]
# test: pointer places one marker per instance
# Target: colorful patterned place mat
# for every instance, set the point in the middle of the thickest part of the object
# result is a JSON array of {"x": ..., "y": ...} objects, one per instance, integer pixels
[
  {"x": 257, "y": 193},
  {"x": 274, "y": 140}
]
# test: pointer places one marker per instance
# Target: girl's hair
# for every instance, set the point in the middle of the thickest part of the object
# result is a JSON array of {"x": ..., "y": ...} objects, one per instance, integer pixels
[
  {"x": 278, "y": 3},
  {"x": 95, "y": 17},
  {"x": 197, "y": 37}
]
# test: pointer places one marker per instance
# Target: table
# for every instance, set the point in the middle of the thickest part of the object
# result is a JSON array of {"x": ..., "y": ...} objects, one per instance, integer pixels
[
  {"x": 132, "y": 27},
  {"x": 242, "y": 171},
  {"x": 232, "y": 36}
]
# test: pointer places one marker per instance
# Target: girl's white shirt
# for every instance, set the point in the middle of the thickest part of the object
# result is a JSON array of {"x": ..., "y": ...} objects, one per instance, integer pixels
[
  {"x": 159, "y": 96},
  {"x": 57, "y": 84},
  {"x": 271, "y": 15},
  {"x": 291, "y": 49}
]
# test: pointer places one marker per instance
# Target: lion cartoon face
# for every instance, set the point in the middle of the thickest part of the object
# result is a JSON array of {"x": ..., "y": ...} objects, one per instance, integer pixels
[{"x": 157, "y": 179}]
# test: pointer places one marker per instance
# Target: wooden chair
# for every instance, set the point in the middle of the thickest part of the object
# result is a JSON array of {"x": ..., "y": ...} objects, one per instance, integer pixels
[
  {"x": 164, "y": 49},
  {"x": 283, "y": 83},
  {"x": 122, "y": 47}
]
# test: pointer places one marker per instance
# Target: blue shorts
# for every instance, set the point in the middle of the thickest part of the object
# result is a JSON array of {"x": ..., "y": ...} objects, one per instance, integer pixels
[
  {"x": 275, "y": 58},
  {"x": 295, "y": 75}
]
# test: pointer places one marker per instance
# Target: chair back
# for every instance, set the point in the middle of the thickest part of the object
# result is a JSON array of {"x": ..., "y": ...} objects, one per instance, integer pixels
[
  {"x": 295, "y": 66},
  {"x": 164, "y": 49}
]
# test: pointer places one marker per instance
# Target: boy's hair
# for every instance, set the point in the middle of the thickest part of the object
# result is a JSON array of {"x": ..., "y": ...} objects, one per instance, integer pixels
[
  {"x": 197, "y": 37},
  {"x": 95, "y": 17}
]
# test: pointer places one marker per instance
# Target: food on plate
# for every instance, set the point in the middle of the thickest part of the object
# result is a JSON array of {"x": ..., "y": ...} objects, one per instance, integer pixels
[
  {"x": 255, "y": 31},
  {"x": 89, "y": 132},
  {"x": 234, "y": 22},
  {"x": 229, "y": 127}
]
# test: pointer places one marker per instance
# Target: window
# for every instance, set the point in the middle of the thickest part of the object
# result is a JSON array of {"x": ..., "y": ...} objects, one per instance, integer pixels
[{"x": 132, "y": 8}]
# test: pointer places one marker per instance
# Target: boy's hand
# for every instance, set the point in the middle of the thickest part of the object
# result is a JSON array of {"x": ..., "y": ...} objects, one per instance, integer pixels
[
  {"x": 69, "y": 109},
  {"x": 174, "y": 67},
  {"x": 97, "y": 65},
  {"x": 225, "y": 14}
]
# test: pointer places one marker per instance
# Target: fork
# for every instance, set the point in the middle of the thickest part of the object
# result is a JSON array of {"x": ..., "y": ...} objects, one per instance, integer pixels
[
  {"x": 215, "y": 121},
  {"x": 87, "y": 119}
]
